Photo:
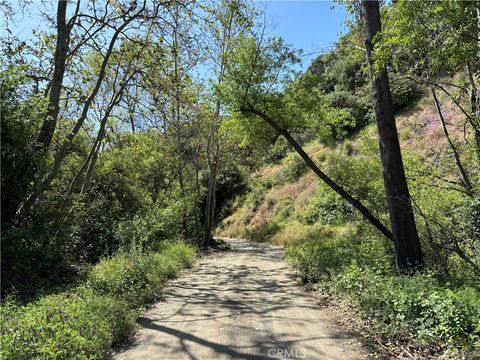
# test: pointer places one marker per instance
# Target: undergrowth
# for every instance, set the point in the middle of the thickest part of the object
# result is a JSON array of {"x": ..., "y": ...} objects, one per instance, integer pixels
[
  {"x": 428, "y": 309},
  {"x": 85, "y": 322}
]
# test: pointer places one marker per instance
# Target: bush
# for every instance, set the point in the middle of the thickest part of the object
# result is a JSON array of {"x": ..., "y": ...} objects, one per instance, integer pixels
[
  {"x": 168, "y": 261},
  {"x": 21, "y": 116},
  {"x": 86, "y": 322},
  {"x": 327, "y": 207},
  {"x": 93, "y": 225},
  {"x": 80, "y": 325},
  {"x": 137, "y": 277},
  {"x": 354, "y": 111},
  {"x": 123, "y": 275},
  {"x": 147, "y": 228},
  {"x": 293, "y": 167},
  {"x": 420, "y": 305},
  {"x": 32, "y": 264},
  {"x": 284, "y": 209},
  {"x": 263, "y": 232},
  {"x": 177, "y": 251},
  {"x": 322, "y": 257},
  {"x": 278, "y": 151},
  {"x": 405, "y": 94}
]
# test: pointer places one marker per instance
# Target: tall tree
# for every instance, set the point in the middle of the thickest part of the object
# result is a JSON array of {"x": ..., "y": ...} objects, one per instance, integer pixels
[
  {"x": 408, "y": 251},
  {"x": 131, "y": 14},
  {"x": 63, "y": 33},
  {"x": 231, "y": 18},
  {"x": 259, "y": 87},
  {"x": 168, "y": 89},
  {"x": 431, "y": 43}
]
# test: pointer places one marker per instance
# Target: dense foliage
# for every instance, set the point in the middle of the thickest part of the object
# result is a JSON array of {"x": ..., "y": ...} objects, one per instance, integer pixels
[
  {"x": 434, "y": 313},
  {"x": 131, "y": 129},
  {"x": 328, "y": 110},
  {"x": 84, "y": 322}
]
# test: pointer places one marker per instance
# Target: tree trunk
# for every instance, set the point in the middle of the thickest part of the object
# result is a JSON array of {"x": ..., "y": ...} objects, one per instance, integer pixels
[
  {"x": 210, "y": 205},
  {"x": 408, "y": 251},
  {"x": 357, "y": 204},
  {"x": 50, "y": 122},
  {"x": 478, "y": 29},
  {"x": 43, "y": 184},
  {"x": 463, "y": 174},
  {"x": 475, "y": 106},
  {"x": 198, "y": 226}
]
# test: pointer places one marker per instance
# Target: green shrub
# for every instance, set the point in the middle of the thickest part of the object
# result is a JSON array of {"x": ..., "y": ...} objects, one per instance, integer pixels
[
  {"x": 123, "y": 275},
  {"x": 284, "y": 209},
  {"x": 93, "y": 225},
  {"x": 168, "y": 261},
  {"x": 323, "y": 257},
  {"x": 327, "y": 207},
  {"x": 418, "y": 305},
  {"x": 293, "y": 167},
  {"x": 347, "y": 112},
  {"x": 146, "y": 228},
  {"x": 80, "y": 325},
  {"x": 84, "y": 323},
  {"x": 138, "y": 277},
  {"x": 263, "y": 232},
  {"x": 278, "y": 151},
  {"x": 178, "y": 251},
  {"x": 405, "y": 94}
]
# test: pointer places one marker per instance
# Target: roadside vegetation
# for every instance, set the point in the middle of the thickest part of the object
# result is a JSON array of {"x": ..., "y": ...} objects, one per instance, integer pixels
[
  {"x": 120, "y": 161},
  {"x": 337, "y": 251},
  {"x": 337, "y": 254},
  {"x": 85, "y": 321}
]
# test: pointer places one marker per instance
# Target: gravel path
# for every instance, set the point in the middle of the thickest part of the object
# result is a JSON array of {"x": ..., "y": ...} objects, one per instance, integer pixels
[{"x": 240, "y": 304}]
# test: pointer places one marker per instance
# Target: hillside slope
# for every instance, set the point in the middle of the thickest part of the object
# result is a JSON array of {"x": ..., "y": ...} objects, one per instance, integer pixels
[
  {"x": 434, "y": 314},
  {"x": 281, "y": 192}
]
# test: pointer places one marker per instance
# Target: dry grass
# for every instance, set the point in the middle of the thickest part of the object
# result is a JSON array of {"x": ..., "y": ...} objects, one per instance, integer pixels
[
  {"x": 420, "y": 132},
  {"x": 264, "y": 214},
  {"x": 293, "y": 190},
  {"x": 268, "y": 173},
  {"x": 291, "y": 233},
  {"x": 233, "y": 226}
]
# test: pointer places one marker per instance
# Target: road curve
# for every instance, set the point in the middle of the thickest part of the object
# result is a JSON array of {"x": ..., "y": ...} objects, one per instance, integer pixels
[{"x": 240, "y": 304}]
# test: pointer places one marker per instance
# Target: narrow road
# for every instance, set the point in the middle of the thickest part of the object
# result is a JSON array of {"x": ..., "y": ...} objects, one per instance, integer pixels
[{"x": 240, "y": 304}]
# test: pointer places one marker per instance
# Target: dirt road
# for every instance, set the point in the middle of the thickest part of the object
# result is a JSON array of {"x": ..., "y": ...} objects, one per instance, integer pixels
[{"x": 240, "y": 304}]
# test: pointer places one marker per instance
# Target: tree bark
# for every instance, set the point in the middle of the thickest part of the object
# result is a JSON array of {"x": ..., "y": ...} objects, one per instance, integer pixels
[
  {"x": 211, "y": 202},
  {"x": 50, "y": 122},
  {"x": 475, "y": 107},
  {"x": 463, "y": 174},
  {"x": 408, "y": 251},
  {"x": 42, "y": 185},
  {"x": 324, "y": 177}
]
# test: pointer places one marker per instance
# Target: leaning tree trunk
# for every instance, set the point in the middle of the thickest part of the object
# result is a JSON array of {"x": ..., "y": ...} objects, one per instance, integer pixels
[
  {"x": 357, "y": 204},
  {"x": 408, "y": 251},
  {"x": 456, "y": 156}
]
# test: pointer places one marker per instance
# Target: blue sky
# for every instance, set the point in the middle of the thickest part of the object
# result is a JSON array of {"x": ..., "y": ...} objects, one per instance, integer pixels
[{"x": 310, "y": 25}]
